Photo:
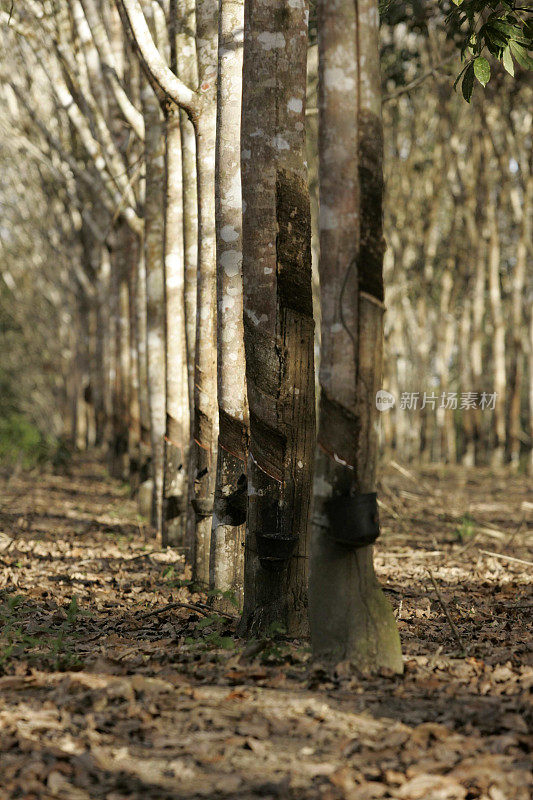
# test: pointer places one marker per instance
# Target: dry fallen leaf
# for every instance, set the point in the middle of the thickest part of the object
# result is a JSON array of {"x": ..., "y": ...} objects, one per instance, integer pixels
[{"x": 109, "y": 704}]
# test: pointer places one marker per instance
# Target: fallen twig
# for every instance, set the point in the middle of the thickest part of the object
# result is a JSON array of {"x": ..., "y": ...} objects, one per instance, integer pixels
[
  {"x": 395, "y": 515},
  {"x": 444, "y": 607},
  {"x": 405, "y": 472},
  {"x": 493, "y": 533},
  {"x": 413, "y": 553},
  {"x": 148, "y": 554},
  {"x": 390, "y": 510},
  {"x": 507, "y": 558},
  {"x": 192, "y": 607}
]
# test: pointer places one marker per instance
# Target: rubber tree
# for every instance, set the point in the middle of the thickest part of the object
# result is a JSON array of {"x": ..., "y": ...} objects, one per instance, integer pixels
[
  {"x": 142, "y": 367},
  {"x": 498, "y": 340},
  {"x": 155, "y": 292},
  {"x": 349, "y": 615},
  {"x": 278, "y": 315},
  {"x": 227, "y": 538},
  {"x": 117, "y": 298},
  {"x": 200, "y": 105},
  {"x": 516, "y": 377},
  {"x": 182, "y": 17},
  {"x": 187, "y": 69},
  {"x": 177, "y": 395}
]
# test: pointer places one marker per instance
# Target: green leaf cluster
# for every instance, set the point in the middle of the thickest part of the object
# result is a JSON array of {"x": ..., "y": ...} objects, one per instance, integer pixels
[{"x": 496, "y": 28}]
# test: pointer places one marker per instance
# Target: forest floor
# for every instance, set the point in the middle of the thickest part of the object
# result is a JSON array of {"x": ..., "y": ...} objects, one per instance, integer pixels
[{"x": 105, "y": 693}]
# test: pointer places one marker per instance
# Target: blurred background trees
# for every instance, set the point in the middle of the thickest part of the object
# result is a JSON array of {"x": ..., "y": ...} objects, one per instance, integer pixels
[{"x": 458, "y": 264}]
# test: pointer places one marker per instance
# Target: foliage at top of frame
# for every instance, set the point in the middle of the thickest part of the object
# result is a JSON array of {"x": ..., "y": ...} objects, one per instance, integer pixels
[{"x": 481, "y": 29}]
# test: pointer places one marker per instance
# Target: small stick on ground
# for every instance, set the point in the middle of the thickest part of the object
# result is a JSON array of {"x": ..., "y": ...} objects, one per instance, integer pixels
[
  {"x": 152, "y": 553},
  {"x": 507, "y": 558},
  {"x": 190, "y": 606},
  {"x": 407, "y": 474},
  {"x": 444, "y": 607}
]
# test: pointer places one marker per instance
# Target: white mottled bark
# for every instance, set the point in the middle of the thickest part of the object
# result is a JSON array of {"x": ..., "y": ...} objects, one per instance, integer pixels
[
  {"x": 140, "y": 330},
  {"x": 205, "y": 430},
  {"x": 167, "y": 81},
  {"x": 498, "y": 344},
  {"x": 517, "y": 355},
  {"x": 227, "y": 538},
  {"x": 177, "y": 395},
  {"x": 188, "y": 71},
  {"x": 201, "y": 108},
  {"x": 530, "y": 359},
  {"x": 155, "y": 293}
]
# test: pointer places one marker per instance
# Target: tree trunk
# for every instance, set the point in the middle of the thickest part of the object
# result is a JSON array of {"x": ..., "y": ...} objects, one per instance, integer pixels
[
  {"x": 134, "y": 411},
  {"x": 155, "y": 293},
  {"x": 474, "y": 223},
  {"x": 188, "y": 72},
  {"x": 468, "y": 458},
  {"x": 119, "y": 463},
  {"x": 227, "y": 538},
  {"x": 278, "y": 316},
  {"x": 517, "y": 356},
  {"x": 445, "y": 440},
  {"x": 102, "y": 309},
  {"x": 81, "y": 372},
  {"x": 350, "y": 617},
  {"x": 530, "y": 359},
  {"x": 142, "y": 365},
  {"x": 107, "y": 344},
  {"x": 498, "y": 351},
  {"x": 177, "y": 395},
  {"x": 204, "y": 445},
  {"x": 124, "y": 370}
]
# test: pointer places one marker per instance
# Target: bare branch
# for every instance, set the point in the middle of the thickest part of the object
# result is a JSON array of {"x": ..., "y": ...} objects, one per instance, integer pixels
[
  {"x": 152, "y": 60},
  {"x": 109, "y": 69}
]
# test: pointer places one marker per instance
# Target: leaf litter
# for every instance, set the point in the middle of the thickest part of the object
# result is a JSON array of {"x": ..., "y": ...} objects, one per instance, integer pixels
[{"x": 118, "y": 681}]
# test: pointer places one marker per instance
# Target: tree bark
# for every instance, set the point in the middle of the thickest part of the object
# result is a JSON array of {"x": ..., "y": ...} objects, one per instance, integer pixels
[
  {"x": 134, "y": 409},
  {"x": 350, "y": 617},
  {"x": 530, "y": 360},
  {"x": 177, "y": 395},
  {"x": 278, "y": 316},
  {"x": 155, "y": 293},
  {"x": 204, "y": 445},
  {"x": 188, "y": 72},
  {"x": 468, "y": 455},
  {"x": 516, "y": 372},
  {"x": 119, "y": 444},
  {"x": 142, "y": 365},
  {"x": 445, "y": 450},
  {"x": 478, "y": 313},
  {"x": 498, "y": 349},
  {"x": 227, "y": 538},
  {"x": 200, "y": 106}
]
